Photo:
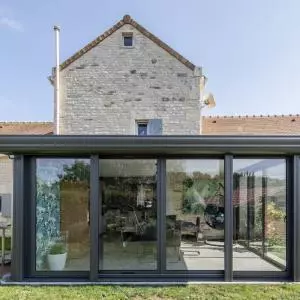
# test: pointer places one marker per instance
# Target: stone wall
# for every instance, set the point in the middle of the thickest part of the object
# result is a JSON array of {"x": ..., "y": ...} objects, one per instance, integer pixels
[
  {"x": 111, "y": 86},
  {"x": 6, "y": 175},
  {"x": 6, "y": 187}
]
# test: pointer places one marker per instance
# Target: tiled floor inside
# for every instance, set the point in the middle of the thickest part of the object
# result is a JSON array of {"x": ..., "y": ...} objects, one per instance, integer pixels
[{"x": 191, "y": 256}]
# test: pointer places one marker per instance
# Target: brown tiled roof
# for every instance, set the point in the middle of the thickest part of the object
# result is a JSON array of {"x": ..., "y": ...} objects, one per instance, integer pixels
[
  {"x": 212, "y": 125},
  {"x": 26, "y": 128},
  {"x": 252, "y": 125},
  {"x": 126, "y": 20}
]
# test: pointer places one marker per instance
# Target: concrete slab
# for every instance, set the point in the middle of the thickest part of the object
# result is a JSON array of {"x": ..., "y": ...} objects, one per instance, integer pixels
[{"x": 193, "y": 256}]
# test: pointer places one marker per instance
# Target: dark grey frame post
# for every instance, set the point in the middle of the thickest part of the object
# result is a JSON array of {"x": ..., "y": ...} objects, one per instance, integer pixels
[
  {"x": 18, "y": 219},
  {"x": 228, "y": 167},
  {"x": 94, "y": 217},
  {"x": 296, "y": 219}
]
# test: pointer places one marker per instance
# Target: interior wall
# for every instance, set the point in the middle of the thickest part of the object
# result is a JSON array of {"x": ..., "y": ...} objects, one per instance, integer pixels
[
  {"x": 6, "y": 188},
  {"x": 74, "y": 216}
]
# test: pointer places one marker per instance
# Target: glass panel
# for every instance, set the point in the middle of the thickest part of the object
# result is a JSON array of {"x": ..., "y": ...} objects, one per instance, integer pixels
[
  {"x": 127, "y": 41},
  {"x": 195, "y": 215},
  {"x": 129, "y": 217},
  {"x": 62, "y": 214},
  {"x": 6, "y": 205},
  {"x": 142, "y": 129},
  {"x": 259, "y": 204}
]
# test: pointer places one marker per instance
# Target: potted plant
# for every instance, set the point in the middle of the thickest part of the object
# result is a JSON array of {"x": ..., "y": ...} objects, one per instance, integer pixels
[{"x": 57, "y": 256}]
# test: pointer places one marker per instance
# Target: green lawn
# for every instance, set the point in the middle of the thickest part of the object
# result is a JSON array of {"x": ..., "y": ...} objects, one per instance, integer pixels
[{"x": 211, "y": 292}]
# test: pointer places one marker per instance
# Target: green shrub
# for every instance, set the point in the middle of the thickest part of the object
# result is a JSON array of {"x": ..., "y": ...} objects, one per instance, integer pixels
[{"x": 58, "y": 248}]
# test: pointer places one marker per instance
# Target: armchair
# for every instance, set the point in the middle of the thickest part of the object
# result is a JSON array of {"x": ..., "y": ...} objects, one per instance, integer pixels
[{"x": 173, "y": 234}]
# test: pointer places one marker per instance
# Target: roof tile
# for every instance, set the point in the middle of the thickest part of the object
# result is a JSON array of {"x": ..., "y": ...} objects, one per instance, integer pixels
[
  {"x": 25, "y": 128},
  {"x": 252, "y": 125}
]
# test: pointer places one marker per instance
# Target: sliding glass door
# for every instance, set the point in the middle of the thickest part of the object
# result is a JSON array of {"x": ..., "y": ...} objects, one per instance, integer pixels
[
  {"x": 128, "y": 221},
  {"x": 160, "y": 216},
  {"x": 62, "y": 231},
  {"x": 194, "y": 220},
  {"x": 259, "y": 215}
]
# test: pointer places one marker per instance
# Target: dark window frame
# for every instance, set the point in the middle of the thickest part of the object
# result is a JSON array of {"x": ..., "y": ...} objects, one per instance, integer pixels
[
  {"x": 139, "y": 124},
  {"x": 238, "y": 150},
  {"x": 280, "y": 274},
  {"x": 30, "y": 268},
  {"x": 127, "y": 39}
]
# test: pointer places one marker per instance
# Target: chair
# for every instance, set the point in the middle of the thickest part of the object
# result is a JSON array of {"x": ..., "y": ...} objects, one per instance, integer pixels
[
  {"x": 190, "y": 228},
  {"x": 173, "y": 234}
]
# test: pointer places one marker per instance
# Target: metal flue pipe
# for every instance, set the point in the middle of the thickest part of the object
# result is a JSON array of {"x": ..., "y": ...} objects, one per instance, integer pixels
[{"x": 56, "y": 82}]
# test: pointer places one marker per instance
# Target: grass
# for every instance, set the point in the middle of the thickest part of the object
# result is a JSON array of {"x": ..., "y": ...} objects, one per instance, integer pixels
[
  {"x": 211, "y": 292},
  {"x": 7, "y": 244}
]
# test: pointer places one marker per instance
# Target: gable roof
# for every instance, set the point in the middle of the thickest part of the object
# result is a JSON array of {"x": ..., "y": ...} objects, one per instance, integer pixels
[
  {"x": 126, "y": 20},
  {"x": 26, "y": 128},
  {"x": 251, "y": 125}
]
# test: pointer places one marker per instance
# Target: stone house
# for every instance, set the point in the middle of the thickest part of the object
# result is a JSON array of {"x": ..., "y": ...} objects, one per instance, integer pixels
[{"x": 128, "y": 81}]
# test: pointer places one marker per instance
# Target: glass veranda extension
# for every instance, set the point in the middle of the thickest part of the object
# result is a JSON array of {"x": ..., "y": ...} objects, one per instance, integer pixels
[{"x": 155, "y": 208}]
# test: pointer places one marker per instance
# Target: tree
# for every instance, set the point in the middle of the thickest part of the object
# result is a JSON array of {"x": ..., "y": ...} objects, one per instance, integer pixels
[{"x": 78, "y": 171}]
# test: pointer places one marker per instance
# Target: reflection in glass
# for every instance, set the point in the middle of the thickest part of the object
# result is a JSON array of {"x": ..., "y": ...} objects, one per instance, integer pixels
[
  {"x": 259, "y": 203},
  {"x": 129, "y": 218},
  {"x": 195, "y": 215},
  {"x": 62, "y": 218},
  {"x": 6, "y": 203}
]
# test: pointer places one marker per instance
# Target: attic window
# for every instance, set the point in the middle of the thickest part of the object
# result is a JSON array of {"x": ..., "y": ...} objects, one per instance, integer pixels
[{"x": 127, "y": 39}]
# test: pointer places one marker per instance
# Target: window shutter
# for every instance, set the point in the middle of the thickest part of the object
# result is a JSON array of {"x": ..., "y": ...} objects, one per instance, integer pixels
[
  {"x": 6, "y": 205},
  {"x": 155, "y": 127}
]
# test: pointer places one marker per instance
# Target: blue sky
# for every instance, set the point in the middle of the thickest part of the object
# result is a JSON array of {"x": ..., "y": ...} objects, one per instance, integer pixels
[{"x": 249, "y": 50}]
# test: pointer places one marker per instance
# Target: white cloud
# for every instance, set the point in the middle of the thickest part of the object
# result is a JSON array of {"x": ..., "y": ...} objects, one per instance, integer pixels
[
  {"x": 11, "y": 23},
  {"x": 8, "y": 20}
]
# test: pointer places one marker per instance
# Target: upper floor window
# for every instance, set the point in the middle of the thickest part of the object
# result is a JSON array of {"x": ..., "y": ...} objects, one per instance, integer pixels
[
  {"x": 149, "y": 127},
  {"x": 142, "y": 128},
  {"x": 127, "y": 39}
]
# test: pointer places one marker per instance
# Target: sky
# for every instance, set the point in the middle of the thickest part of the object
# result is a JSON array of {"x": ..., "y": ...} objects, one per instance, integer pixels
[{"x": 249, "y": 50}]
